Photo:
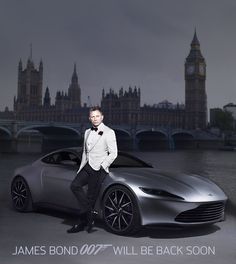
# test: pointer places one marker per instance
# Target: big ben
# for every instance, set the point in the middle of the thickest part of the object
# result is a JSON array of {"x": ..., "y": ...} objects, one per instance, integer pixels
[{"x": 195, "y": 91}]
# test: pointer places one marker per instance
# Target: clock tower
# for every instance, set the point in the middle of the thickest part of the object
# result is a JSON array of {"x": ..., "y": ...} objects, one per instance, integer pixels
[{"x": 195, "y": 91}]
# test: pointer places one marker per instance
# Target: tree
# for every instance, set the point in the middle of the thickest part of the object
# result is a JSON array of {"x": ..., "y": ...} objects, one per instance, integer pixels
[{"x": 224, "y": 120}]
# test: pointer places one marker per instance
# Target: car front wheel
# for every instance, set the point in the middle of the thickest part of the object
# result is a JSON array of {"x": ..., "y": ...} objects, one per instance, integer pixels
[
  {"x": 21, "y": 196},
  {"x": 120, "y": 211}
]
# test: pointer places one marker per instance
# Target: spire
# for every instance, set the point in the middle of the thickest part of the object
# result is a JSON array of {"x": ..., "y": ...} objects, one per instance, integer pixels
[
  {"x": 30, "y": 64},
  {"x": 121, "y": 92},
  {"x": 31, "y": 52},
  {"x": 20, "y": 65},
  {"x": 47, "y": 98},
  {"x": 74, "y": 90},
  {"x": 41, "y": 69},
  {"x": 139, "y": 91},
  {"x": 47, "y": 92},
  {"x": 74, "y": 78},
  {"x": 195, "y": 41},
  {"x": 195, "y": 51},
  {"x": 41, "y": 63}
]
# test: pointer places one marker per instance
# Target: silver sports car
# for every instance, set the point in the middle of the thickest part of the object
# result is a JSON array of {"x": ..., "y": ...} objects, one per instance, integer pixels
[{"x": 134, "y": 194}]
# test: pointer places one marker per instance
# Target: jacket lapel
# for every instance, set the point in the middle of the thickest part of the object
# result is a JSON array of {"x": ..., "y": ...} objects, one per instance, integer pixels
[
  {"x": 87, "y": 135},
  {"x": 94, "y": 144},
  {"x": 88, "y": 150}
]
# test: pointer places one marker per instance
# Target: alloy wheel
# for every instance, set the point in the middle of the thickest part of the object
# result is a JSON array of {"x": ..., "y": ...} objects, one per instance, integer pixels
[
  {"x": 20, "y": 193},
  {"x": 118, "y": 210}
]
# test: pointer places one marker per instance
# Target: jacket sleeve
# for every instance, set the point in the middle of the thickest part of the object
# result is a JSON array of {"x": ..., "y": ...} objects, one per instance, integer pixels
[
  {"x": 84, "y": 150},
  {"x": 112, "y": 149}
]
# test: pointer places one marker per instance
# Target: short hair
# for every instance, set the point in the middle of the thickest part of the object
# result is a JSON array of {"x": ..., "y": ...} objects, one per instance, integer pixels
[{"x": 95, "y": 108}]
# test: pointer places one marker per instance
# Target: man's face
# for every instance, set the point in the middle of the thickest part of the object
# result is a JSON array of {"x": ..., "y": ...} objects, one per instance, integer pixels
[{"x": 95, "y": 118}]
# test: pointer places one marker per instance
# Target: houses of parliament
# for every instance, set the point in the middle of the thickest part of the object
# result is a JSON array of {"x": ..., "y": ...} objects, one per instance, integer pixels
[{"x": 120, "y": 108}]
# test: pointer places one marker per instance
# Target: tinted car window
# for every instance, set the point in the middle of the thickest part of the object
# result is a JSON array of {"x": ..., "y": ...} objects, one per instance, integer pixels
[
  {"x": 126, "y": 160},
  {"x": 52, "y": 159},
  {"x": 64, "y": 157}
]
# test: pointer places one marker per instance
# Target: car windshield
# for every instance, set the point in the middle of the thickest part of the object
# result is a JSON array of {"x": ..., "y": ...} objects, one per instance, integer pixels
[{"x": 128, "y": 161}]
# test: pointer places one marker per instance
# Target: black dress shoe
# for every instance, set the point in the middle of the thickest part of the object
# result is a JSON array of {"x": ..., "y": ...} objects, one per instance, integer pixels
[
  {"x": 89, "y": 227},
  {"x": 76, "y": 228}
]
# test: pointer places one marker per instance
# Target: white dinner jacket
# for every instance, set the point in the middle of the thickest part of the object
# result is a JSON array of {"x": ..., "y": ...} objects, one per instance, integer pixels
[{"x": 102, "y": 152}]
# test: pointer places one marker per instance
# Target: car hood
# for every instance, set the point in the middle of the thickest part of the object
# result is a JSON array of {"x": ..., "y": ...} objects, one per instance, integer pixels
[{"x": 191, "y": 187}]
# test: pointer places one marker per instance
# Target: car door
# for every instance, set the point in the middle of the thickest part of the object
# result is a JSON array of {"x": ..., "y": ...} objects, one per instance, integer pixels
[{"x": 57, "y": 176}]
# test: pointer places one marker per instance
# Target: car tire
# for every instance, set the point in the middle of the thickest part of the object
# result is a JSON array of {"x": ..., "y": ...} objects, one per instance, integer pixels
[
  {"x": 21, "y": 195},
  {"x": 120, "y": 211}
]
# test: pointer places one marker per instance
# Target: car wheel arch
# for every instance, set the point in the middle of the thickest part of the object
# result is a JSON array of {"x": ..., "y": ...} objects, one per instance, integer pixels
[
  {"x": 122, "y": 185},
  {"x": 132, "y": 193}
]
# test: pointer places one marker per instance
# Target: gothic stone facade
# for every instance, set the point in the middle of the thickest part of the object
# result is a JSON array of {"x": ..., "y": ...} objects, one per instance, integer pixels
[{"x": 122, "y": 108}]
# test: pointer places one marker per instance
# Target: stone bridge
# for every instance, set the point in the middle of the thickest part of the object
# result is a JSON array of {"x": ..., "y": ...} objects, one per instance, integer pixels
[{"x": 15, "y": 133}]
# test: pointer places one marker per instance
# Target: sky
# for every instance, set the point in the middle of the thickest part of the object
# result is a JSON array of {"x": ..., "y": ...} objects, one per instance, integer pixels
[{"x": 119, "y": 43}]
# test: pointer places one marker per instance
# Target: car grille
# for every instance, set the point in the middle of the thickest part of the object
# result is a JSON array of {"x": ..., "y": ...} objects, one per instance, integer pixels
[{"x": 203, "y": 213}]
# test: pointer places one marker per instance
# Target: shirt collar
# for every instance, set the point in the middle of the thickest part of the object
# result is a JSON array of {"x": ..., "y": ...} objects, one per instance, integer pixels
[{"x": 100, "y": 127}]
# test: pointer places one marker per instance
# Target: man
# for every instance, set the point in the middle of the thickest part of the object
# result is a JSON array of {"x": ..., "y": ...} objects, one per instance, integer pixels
[{"x": 99, "y": 151}]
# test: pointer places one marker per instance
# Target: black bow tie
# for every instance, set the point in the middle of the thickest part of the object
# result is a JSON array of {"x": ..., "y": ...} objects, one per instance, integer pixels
[{"x": 94, "y": 128}]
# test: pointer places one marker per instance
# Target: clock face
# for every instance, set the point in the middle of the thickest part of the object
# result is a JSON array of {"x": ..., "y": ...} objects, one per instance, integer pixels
[
  {"x": 201, "y": 69},
  {"x": 190, "y": 69}
]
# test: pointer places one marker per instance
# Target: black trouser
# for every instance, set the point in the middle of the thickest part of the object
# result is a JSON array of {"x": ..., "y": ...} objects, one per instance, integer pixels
[{"x": 94, "y": 179}]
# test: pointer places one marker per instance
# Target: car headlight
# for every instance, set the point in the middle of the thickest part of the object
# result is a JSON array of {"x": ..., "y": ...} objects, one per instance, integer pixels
[{"x": 161, "y": 193}]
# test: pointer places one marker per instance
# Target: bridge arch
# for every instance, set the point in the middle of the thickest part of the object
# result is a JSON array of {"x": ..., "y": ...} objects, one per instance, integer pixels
[
  {"x": 5, "y": 132},
  {"x": 151, "y": 131},
  {"x": 122, "y": 132},
  {"x": 51, "y": 130},
  {"x": 124, "y": 139},
  {"x": 51, "y": 137},
  {"x": 184, "y": 132},
  {"x": 5, "y": 139},
  {"x": 151, "y": 139},
  {"x": 183, "y": 139}
]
